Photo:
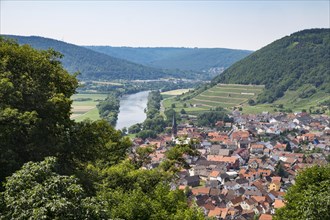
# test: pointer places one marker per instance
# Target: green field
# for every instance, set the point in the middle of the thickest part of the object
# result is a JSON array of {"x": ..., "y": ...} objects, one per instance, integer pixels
[
  {"x": 175, "y": 92},
  {"x": 82, "y": 110}
]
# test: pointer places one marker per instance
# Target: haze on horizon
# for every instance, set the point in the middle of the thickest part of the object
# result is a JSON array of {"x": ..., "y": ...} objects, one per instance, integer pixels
[{"x": 222, "y": 24}]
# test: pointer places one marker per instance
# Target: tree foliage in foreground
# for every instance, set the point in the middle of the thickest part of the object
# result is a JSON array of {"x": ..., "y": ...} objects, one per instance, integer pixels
[
  {"x": 309, "y": 197},
  {"x": 88, "y": 174},
  {"x": 37, "y": 191},
  {"x": 35, "y": 105}
]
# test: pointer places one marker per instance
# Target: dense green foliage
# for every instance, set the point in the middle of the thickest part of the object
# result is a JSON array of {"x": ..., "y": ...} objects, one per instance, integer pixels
[
  {"x": 34, "y": 105},
  {"x": 37, "y": 191},
  {"x": 195, "y": 59},
  {"x": 109, "y": 108},
  {"x": 153, "y": 105},
  {"x": 91, "y": 64},
  {"x": 209, "y": 118},
  {"x": 286, "y": 64},
  {"x": 88, "y": 175},
  {"x": 175, "y": 160},
  {"x": 309, "y": 197}
]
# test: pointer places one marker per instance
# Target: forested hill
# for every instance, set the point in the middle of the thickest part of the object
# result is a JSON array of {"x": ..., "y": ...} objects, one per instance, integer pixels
[
  {"x": 91, "y": 64},
  {"x": 301, "y": 59},
  {"x": 194, "y": 59}
]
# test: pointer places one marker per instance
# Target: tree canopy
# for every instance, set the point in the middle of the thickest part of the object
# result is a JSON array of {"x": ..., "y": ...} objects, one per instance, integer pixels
[
  {"x": 309, "y": 197},
  {"x": 37, "y": 191},
  {"x": 35, "y": 105}
]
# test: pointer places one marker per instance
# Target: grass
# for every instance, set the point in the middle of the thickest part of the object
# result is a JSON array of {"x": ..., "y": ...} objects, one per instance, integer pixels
[
  {"x": 131, "y": 136},
  {"x": 91, "y": 114},
  {"x": 86, "y": 109},
  {"x": 175, "y": 92},
  {"x": 258, "y": 109},
  {"x": 166, "y": 96}
]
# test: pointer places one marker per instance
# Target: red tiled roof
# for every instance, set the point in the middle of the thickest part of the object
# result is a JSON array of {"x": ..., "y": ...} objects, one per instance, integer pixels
[
  {"x": 200, "y": 190},
  {"x": 278, "y": 203},
  {"x": 214, "y": 173},
  {"x": 222, "y": 159},
  {"x": 265, "y": 217}
]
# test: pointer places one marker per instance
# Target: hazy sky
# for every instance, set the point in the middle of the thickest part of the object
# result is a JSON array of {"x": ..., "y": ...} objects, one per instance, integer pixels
[{"x": 228, "y": 24}]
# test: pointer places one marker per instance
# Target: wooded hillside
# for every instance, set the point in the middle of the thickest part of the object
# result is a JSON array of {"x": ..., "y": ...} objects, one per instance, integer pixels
[{"x": 301, "y": 59}]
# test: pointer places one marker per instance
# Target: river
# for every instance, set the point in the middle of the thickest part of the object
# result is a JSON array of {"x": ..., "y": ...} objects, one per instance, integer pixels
[{"x": 131, "y": 109}]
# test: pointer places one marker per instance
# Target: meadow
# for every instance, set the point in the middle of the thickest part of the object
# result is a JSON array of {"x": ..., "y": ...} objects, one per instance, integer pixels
[{"x": 84, "y": 106}]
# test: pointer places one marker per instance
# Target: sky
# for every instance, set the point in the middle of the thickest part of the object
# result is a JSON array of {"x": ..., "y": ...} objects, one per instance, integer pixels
[{"x": 222, "y": 24}]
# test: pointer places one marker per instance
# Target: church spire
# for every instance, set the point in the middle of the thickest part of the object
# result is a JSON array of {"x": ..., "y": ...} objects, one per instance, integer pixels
[{"x": 174, "y": 126}]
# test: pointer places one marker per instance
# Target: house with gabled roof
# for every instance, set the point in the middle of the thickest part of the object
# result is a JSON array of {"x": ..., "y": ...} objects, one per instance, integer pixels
[
  {"x": 249, "y": 204},
  {"x": 235, "y": 202},
  {"x": 200, "y": 191}
]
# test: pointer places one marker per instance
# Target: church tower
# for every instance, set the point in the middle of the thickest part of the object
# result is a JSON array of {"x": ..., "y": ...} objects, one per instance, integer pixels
[{"x": 174, "y": 127}]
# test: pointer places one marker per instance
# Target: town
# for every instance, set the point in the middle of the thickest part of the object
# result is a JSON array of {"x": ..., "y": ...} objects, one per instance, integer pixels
[{"x": 243, "y": 169}]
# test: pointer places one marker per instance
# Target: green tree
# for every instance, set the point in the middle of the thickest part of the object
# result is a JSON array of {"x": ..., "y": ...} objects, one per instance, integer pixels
[
  {"x": 35, "y": 105},
  {"x": 134, "y": 129},
  {"x": 143, "y": 155},
  {"x": 96, "y": 142},
  {"x": 109, "y": 108},
  {"x": 288, "y": 147},
  {"x": 124, "y": 130},
  {"x": 146, "y": 134},
  {"x": 37, "y": 191},
  {"x": 210, "y": 118},
  {"x": 251, "y": 102},
  {"x": 309, "y": 197},
  {"x": 279, "y": 170}
]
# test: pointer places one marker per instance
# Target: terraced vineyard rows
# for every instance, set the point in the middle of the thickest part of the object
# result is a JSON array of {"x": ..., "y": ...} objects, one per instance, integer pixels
[
  {"x": 223, "y": 95},
  {"x": 227, "y": 95}
]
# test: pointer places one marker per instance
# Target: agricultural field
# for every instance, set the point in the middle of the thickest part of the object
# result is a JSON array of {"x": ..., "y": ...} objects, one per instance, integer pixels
[
  {"x": 107, "y": 83},
  {"x": 176, "y": 92},
  {"x": 221, "y": 95},
  {"x": 84, "y": 106}
]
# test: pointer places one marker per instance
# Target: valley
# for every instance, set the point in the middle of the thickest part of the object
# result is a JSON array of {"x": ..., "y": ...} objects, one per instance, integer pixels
[{"x": 167, "y": 133}]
